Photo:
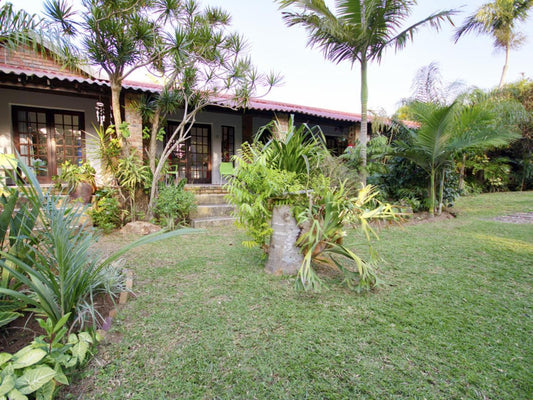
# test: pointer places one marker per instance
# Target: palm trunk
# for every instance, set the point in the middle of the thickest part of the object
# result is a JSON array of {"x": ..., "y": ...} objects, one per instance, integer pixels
[
  {"x": 505, "y": 67},
  {"x": 462, "y": 174},
  {"x": 363, "y": 136},
  {"x": 432, "y": 192},
  {"x": 441, "y": 189},
  {"x": 115, "y": 103}
]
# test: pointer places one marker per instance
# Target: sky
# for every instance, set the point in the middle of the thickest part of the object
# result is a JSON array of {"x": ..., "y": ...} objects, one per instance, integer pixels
[{"x": 311, "y": 80}]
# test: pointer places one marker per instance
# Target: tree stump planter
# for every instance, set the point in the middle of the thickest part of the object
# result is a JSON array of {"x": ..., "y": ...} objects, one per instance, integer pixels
[{"x": 284, "y": 256}]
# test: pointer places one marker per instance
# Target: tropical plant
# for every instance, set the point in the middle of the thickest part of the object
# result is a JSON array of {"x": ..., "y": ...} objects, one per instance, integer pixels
[
  {"x": 499, "y": 19},
  {"x": 64, "y": 275},
  {"x": 132, "y": 175},
  {"x": 106, "y": 213},
  {"x": 203, "y": 62},
  {"x": 360, "y": 31},
  {"x": 39, "y": 368},
  {"x": 119, "y": 36},
  {"x": 73, "y": 175},
  {"x": 174, "y": 204},
  {"x": 16, "y": 27},
  {"x": 445, "y": 132},
  {"x": 16, "y": 239},
  {"x": 287, "y": 171}
]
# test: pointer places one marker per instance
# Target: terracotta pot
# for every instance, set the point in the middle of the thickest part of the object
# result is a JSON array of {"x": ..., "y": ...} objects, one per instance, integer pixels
[{"x": 83, "y": 191}]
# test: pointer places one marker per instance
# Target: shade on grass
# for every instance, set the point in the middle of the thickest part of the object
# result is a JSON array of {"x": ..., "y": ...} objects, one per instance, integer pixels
[{"x": 454, "y": 319}]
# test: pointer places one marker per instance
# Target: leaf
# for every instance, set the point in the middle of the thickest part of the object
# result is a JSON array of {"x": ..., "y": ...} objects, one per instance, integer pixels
[
  {"x": 7, "y": 385},
  {"x": 79, "y": 350},
  {"x": 27, "y": 356},
  {"x": 60, "y": 376},
  {"x": 33, "y": 379},
  {"x": 5, "y": 357},
  {"x": 46, "y": 392},
  {"x": 16, "y": 395}
]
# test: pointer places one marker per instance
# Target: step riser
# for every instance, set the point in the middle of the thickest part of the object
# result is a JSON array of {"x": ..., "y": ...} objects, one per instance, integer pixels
[
  {"x": 212, "y": 223},
  {"x": 206, "y": 211},
  {"x": 203, "y": 199}
]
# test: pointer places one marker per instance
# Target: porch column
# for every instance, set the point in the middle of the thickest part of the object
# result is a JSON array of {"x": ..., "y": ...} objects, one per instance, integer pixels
[
  {"x": 134, "y": 118},
  {"x": 353, "y": 134},
  {"x": 247, "y": 128}
]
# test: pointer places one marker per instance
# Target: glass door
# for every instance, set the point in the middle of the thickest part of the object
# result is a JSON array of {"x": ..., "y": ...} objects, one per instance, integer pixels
[{"x": 192, "y": 159}]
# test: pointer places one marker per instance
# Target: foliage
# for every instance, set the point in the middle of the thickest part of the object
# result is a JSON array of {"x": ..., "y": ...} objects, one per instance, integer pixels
[
  {"x": 360, "y": 31},
  {"x": 287, "y": 170},
  {"x": 132, "y": 175},
  {"x": 106, "y": 213},
  {"x": 73, "y": 175},
  {"x": 446, "y": 131},
  {"x": 499, "y": 19},
  {"x": 15, "y": 239},
  {"x": 493, "y": 174},
  {"x": 203, "y": 62},
  {"x": 42, "y": 366},
  {"x": 174, "y": 204},
  {"x": 64, "y": 275}
]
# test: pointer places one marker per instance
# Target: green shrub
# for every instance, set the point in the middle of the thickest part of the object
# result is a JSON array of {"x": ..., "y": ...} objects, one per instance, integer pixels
[
  {"x": 106, "y": 213},
  {"x": 39, "y": 368},
  {"x": 174, "y": 205}
]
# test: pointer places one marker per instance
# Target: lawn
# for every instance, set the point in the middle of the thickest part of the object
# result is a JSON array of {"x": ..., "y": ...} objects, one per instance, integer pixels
[{"x": 453, "y": 319}]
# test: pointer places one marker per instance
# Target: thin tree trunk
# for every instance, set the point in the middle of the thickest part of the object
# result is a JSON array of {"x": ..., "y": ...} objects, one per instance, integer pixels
[
  {"x": 441, "y": 194},
  {"x": 363, "y": 136},
  {"x": 505, "y": 67},
  {"x": 432, "y": 192},
  {"x": 462, "y": 174}
]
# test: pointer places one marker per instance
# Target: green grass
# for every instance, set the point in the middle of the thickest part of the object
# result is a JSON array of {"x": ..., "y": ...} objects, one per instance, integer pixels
[{"x": 452, "y": 321}]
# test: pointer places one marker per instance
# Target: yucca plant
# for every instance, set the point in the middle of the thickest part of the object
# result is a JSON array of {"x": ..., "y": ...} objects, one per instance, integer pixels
[{"x": 65, "y": 274}]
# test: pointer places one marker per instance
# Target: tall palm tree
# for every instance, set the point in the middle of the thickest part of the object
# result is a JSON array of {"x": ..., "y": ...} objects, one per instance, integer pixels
[
  {"x": 359, "y": 31},
  {"x": 499, "y": 19},
  {"x": 446, "y": 131}
]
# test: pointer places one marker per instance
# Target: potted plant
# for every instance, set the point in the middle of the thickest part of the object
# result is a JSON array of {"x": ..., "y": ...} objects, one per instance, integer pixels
[{"x": 79, "y": 179}]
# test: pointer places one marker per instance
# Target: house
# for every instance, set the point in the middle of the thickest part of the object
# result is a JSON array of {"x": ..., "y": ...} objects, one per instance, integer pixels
[{"x": 49, "y": 115}]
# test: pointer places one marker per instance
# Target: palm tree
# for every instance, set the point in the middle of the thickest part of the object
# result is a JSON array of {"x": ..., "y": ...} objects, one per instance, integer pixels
[
  {"x": 499, "y": 19},
  {"x": 446, "y": 131},
  {"x": 360, "y": 31}
]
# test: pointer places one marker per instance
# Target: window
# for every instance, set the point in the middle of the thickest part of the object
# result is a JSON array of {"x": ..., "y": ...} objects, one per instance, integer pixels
[
  {"x": 47, "y": 138},
  {"x": 228, "y": 143}
]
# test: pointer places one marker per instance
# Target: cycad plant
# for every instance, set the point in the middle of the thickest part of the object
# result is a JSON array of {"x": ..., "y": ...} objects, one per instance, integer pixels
[{"x": 287, "y": 170}]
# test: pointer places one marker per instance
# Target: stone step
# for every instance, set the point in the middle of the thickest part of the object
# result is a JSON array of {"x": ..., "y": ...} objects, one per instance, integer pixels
[
  {"x": 206, "y": 189},
  {"x": 212, "y": 210},
  {"x": 216, "y": 198},
  {"x": 212, "y": 222}
]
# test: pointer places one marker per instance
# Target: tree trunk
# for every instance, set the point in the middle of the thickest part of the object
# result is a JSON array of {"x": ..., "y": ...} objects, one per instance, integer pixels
[
  {"x": 505, "y": 67},
  {"x": 363, "y": 135},
  {"x": 441, "y": 189},
  {"x": 462, "y": 174},
  {"x": 284, "y": 257},
  {"x": 115, "y": 103},
  {"x": 432, "y": 192}
]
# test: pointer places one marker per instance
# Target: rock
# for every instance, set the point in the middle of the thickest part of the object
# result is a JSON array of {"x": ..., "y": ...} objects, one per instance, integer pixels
[{"x": 140, "y": 228}]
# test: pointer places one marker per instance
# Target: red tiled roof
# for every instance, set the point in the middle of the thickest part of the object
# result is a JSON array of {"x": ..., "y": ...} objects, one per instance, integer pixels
[{"x": 253, "y": 104}]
